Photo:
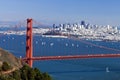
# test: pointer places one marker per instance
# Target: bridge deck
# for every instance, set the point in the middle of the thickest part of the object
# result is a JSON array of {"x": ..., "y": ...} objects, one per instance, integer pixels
[{"x": 74, "y": 57}]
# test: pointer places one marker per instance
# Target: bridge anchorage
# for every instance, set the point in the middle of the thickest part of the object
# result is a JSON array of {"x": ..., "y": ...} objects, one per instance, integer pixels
[{"x": 29, "y": 50}]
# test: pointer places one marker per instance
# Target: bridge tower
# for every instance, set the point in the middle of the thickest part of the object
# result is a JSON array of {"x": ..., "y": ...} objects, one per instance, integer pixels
[{"x": 29, "y": 41}]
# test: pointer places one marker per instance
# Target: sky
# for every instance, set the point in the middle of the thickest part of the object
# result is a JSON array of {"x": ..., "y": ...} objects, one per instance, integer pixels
[{"x": 101, "y": 12}]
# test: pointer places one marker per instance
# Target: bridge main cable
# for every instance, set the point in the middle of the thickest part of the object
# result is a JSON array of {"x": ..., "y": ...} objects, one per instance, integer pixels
[{"x": 92, "y": 44}]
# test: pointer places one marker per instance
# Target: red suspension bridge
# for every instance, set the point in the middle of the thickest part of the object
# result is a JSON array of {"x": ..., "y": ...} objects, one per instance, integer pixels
[{"x": 29, "y": 50}]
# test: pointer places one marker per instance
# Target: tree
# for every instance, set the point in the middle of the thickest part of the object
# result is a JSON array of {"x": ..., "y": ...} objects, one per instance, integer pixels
[
  {"x": 25, "y": 73},
  {"x": 38, "y": 74},
  {"x": 46, "y": 76},
  {"x": 2, "y": 77},
  {"x": 31, "y": 74},
  {"x": 17, "y": 75}
]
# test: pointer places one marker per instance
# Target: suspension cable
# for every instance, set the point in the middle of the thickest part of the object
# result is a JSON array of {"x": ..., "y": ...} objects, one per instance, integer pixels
[{"x": 99, "y": 46}]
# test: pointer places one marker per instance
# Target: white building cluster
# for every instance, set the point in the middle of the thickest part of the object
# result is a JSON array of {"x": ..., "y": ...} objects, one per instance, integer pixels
[{"x": 88, "y": 31}]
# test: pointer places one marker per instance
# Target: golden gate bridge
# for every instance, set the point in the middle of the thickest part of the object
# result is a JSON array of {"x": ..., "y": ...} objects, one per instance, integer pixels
[{"x": 29, "y": 58}]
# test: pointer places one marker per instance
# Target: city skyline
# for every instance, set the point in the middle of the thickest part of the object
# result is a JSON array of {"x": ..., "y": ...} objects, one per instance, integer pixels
[{"x": 101, "y": 12}]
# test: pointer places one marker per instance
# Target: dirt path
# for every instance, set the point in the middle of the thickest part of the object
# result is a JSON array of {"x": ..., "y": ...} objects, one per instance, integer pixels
[{"x": 9, "y": 71}]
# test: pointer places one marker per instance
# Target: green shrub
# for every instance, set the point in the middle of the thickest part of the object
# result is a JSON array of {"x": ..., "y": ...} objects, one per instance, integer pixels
[
  {"x": 6, "y": 66},
  {"x": 16, "y": 75},
  {"x": 0, "y": 68},
  {"x": 46, "y": 76},
  {"x": 25, "y": 73}
]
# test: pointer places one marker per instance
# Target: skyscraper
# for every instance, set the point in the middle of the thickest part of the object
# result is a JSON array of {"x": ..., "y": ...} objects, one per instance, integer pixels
[
  {"x": 54, "y": 26},
  {"x": 83, "y": 23}
]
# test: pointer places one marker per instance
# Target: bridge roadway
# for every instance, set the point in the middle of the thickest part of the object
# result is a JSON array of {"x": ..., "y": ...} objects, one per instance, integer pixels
[{"x": 74, "y": 57}]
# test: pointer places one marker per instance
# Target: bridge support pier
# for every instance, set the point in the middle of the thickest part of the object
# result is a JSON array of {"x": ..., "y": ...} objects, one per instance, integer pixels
[{"x": 29, "y": 40}]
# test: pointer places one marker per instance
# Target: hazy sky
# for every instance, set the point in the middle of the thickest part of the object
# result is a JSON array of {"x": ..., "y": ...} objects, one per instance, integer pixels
[{"x": 62, "y": 11}]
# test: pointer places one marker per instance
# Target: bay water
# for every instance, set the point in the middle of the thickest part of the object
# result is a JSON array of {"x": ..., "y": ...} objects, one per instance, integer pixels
[{"x": 75, "y": 69}]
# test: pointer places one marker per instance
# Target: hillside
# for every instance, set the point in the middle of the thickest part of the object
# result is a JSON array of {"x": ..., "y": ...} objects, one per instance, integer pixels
[
  {"x": 11, "y": 68},
  {"x": 9, "y": 58}
]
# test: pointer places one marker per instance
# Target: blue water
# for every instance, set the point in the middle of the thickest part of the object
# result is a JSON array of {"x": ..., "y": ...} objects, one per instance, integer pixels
[{"x": 77, "y": 69}]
